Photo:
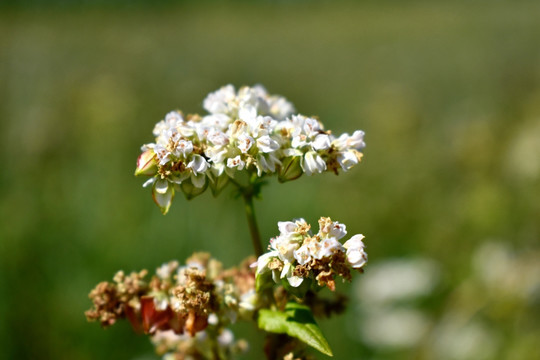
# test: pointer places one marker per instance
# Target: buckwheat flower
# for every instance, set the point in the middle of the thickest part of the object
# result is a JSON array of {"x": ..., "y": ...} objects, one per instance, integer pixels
[
  {"x": 279, "y": 107},
  {"x": 294, "y": 228},
  {"x": 296, "y": 255},
  {"x": 263, "y": 125},
  {"x": 260, "y": 128},
  {"x": 348, "y": 159},
  {"x": 329, "y": 228},
  {"x": 198, "y": 164},
  {"x": 218, "y": 138},
  {"x": 264, "y": 260},
  {"x": 321, "y": 142},
  {"x": 328, "y": 247},
  {"x": 312, "y": 163},
  {"x": 162, "y": 154},
  {"x": 220, "y": 101},
  {"x": 354, "y": 141},
  {"x": 266, "y": 163},
  {"x": 311, "y": 127},
  {"x": 182, "y": 148},
  {"x": 248, "y": 300},
  {"x": 285, "y": 247},
  {"x": 266, "y": 144},
  {"x": 303, "y": 254},
  {"x": 172, "y": 119},
  {"x": 244, "y": 143},
  {"x": 236, "y": 162},
  {"x": 165, "y": 271},
  {"x": 356, "y": 255},
  {"x": 216, "y": 121}
]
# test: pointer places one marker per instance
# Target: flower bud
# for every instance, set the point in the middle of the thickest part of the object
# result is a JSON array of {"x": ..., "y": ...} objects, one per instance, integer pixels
[
  {"x": 217, "y": 183},
  {"x": 146, "y": 163},
  {"x": 290, "y": 169},
  {"x": 190, "y": 190},
  {"x": 163, "y": 195}
]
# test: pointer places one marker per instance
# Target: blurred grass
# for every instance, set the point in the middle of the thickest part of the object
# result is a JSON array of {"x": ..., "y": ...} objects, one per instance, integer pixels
[{"x": 448, "y": 94}]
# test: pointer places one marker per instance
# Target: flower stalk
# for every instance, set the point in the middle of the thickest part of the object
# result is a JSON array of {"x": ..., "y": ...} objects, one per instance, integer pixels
[{"x": 252, "y": 222}]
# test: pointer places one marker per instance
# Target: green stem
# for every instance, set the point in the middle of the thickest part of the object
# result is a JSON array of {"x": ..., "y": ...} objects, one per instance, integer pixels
[{"x": 252, "y": 222}]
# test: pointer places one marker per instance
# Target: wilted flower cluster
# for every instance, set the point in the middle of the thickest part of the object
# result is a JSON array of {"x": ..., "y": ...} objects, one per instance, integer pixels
[
  {"x": 299, "y": 257},
  {"x": 179, "y": 303},
  {"x": 246, "y": 131}
]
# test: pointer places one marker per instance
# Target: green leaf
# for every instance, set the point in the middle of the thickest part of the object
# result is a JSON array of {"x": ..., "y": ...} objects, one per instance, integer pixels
[{"x": 296, "y": 321}]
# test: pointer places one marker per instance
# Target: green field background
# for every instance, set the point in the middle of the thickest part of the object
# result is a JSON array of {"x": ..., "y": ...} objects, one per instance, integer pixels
[{"x": 448, "y": 94}]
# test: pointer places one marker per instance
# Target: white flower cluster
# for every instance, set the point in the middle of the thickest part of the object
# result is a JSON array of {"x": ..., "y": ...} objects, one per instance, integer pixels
[
  {"x": 297, "y": 255},
  {"x": 245, "y": 131},
  {"x": 174, "y": 346}
]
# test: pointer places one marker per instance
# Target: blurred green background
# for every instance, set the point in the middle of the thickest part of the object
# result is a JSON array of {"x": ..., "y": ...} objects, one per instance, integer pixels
[{"x": 448, "y": 94}]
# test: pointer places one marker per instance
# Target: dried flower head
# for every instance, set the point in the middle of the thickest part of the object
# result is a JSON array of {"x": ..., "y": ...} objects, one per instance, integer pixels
[{"x": 182, "y": 307}]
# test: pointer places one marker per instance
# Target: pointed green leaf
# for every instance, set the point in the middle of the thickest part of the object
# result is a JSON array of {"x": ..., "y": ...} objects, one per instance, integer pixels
[{"x": 296, "y": 321}]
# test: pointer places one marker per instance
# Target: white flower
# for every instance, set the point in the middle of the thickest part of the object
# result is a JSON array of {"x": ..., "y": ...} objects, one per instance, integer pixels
[
  {"x": 244, "y": 143},
  {"x": 171, "y": 121},
  {"x": 219, "y": 102},
  {"x": 287, "y": 272},
  {"x": 355, "y": 141},
  {"x": 311, "y": 127},
  {"x": 236, "y": 162},
  {"x": 328, "y": 248},
  {"x": 288, "y": 227},
  {"x": 285, "y": 248},
  {"x": 165, "y": 270},
  {"x": 295, "y": 281},
  {"x": 246, "y": 131},
  {"x": 183, "y": 147},
  {"x": 356, "y": 255},
  {"x": 218, "y": 138},
  {"x": 164, "y": 155},
  {"x": 226, "y": 338},
  {"x": 263, "y": 260},
  {"x": 331, "y": 229},
  {"x": 280, "y": 108},
  {"x": 303, "y": 254},
  {"x": 347, "y": 160},
  {"x": 312, "y": 163},
  {"x": 216, "y": 121},
  {"x": 248, "y": 301},
  {"x": 266, "y": 144},
  {"x": 321, "y": 142},
  {"x": 266, "y": 163},
  {"x": 198, "y": 164}
]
